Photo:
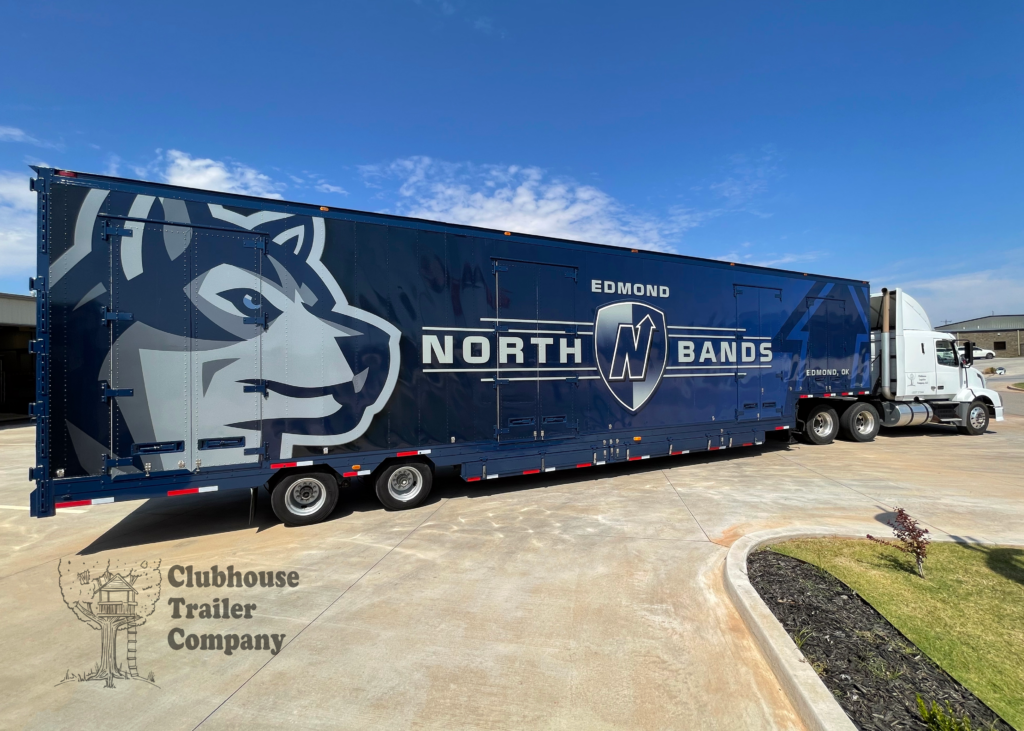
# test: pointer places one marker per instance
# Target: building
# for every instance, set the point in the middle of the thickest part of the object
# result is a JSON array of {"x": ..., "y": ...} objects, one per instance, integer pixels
[
  {"x": 1002, "y": 334},
  {"x": 117, "y": 597},
  {"x": 17, "y": 367}
]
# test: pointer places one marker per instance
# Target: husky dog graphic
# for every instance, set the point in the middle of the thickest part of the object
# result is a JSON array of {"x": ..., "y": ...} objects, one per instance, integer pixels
[{"x": 220, "y": 336}]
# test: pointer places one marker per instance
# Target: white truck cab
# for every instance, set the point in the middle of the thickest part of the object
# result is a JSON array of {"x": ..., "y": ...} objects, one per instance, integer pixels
[{"x": 921, "y": 375}]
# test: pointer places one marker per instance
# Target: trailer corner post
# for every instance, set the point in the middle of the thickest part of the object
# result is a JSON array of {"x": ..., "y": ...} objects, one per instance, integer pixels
[{"x": 41, "y": 500}]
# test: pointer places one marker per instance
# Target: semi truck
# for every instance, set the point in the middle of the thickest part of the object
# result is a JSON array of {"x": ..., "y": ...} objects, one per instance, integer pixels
[{"x": 193, "y": 341}]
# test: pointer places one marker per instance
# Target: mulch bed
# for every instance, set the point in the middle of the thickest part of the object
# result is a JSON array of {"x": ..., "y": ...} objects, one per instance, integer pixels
[{"x": 871, "y": 668}]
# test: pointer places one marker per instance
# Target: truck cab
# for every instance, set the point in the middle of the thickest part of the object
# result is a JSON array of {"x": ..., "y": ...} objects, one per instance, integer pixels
[{"x": 925, "y": 367}]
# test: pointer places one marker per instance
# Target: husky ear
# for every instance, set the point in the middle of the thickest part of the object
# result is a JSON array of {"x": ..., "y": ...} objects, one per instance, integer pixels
[{"x": 176, "y": 238}]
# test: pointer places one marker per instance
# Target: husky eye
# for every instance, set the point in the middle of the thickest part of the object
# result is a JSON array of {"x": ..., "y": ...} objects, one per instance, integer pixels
[{"x": 248, "y": 301}]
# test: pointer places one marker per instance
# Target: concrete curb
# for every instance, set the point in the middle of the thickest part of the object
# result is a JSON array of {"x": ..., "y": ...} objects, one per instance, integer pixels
[{"x": 814, "y": 703}]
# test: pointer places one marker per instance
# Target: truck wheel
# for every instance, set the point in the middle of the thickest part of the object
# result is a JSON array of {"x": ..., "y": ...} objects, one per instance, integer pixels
[
  {"x": 821, "y": 425},
  {"x": 404, "y": 485},
  {"x": 859, "y": 423},
  {"x": 304, "y": 498},
  {"x": 977, "y": 419}
]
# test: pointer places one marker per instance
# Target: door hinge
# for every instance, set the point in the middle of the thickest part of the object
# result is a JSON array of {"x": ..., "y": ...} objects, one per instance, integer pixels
[
  {"x": 109, "y": 229},
  {"x": 263, "y": 451},
  {"x": 499, "y": 430},
  {"x": 37, "y": 346},
  {"x": 571, "y": 274},
  {"x": 573, "y": 379},
  {"x": 108, "y": 393},
  {"x": 260, "y": 319},
  {"x": 499, "y": 382},
  {"x": 109, "y": 316},
  {"x": 257, "y": 386},
  {"x": 37, "y": 408},
  {"x": 495, "y": 268},
  {"x": 259, "y": 244}
]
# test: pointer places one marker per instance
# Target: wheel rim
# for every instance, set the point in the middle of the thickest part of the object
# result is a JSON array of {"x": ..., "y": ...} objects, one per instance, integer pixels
[
  {"x": 405, "y": 484},
  {"x": 305, "y": 496},
  {"x": 864, "y": 422},
  {"x": 822, "y": 424},
  {"x": 978, "y": 417}
]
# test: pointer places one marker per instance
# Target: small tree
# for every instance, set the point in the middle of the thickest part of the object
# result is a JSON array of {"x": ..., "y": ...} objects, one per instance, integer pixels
[
  {"x": 911, "y": 537},
  {"x": 80, "y": 584}
]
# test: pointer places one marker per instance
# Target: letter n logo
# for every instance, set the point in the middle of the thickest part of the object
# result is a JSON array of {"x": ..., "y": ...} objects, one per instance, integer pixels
[{"x": 630, "y": 343}]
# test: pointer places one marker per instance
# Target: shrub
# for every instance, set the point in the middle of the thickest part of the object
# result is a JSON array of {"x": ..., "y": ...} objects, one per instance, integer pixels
[
  {"x": 913, "y": 539},
  {"x": 938, "y": 719}
]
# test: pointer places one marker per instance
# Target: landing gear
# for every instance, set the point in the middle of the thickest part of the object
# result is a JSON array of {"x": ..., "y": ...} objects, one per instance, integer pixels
[
  {"x": 821, "y": 425},
  {"x": 860, "y": 422},
  {"x": 977, "y": 419}
]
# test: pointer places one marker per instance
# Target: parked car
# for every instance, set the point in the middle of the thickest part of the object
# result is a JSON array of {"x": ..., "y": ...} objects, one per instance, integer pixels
[
  {"x": 979, "y": 353},
  {"x": 1000, "y": 371}
]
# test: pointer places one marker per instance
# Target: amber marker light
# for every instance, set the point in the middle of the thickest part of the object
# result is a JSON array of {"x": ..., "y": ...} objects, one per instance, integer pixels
[
  {"x": 356, "y": 466},
  {"x": 324, "y": 208},
  {"x": 508, "y": 233},
  {"x": 636, "y": 439}
]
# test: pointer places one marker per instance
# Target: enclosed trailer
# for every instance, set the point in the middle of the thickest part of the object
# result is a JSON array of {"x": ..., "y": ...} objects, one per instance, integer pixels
[{"x": 191, "y": 341}]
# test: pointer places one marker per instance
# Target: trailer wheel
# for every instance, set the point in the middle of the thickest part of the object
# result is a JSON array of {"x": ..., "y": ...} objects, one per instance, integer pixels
[
  {"x": 821, "y": 425},
  {"x": 859, "y": 423},
  {"x": 404, "y": 485},
  {"x": 977, "y": 419},
  {"x": 304, "y": 498}
]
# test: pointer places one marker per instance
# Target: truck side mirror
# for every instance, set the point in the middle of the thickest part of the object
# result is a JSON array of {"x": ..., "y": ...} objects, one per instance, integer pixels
[{"x": 968, "y": 354}]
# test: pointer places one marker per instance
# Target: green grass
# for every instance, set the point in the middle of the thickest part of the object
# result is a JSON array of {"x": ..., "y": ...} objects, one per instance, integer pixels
[
  {"x": 967, "y": 614},
  {"x": 1018, "y": 385}
]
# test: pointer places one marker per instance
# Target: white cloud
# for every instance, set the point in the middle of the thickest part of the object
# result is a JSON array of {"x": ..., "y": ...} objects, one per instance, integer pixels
[
  {"x": 17, "y": 224},
  {"x": 226, "y": 177},
  {"x": 328, "y": 188},
  {"x": 957, "y": 297},
  {"x": 525, "y": 200},
  {"x": 13, "y": 134}
]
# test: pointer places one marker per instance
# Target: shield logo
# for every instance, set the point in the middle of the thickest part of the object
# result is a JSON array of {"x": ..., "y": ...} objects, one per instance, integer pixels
[{"x": 631, "y": 347}]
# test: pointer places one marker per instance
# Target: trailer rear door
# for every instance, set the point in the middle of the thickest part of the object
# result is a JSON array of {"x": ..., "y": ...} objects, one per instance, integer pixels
[
  {"x": 828, "y": 360},
  {"x": 760, "y": 390},
  {"x": 535, "y": 318}
]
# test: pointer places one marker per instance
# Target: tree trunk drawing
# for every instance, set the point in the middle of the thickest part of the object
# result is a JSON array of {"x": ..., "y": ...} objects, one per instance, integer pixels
[{"x": 109, "y": 627}]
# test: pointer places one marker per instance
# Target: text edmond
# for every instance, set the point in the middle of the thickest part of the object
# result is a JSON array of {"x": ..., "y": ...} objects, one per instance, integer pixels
[
  {"x": 185, "y": 576},
  {"x": 636, "y": 289}
]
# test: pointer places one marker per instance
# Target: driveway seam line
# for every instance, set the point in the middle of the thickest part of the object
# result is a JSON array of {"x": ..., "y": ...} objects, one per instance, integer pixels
[
  {"x": 310, "y": 623},
  {"x": 672, "y": 485},
  {"x": 862, "y": 494}
]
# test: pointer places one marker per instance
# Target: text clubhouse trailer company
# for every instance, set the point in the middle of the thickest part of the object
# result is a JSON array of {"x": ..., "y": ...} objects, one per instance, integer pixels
[{"x": 221, "y": 608}]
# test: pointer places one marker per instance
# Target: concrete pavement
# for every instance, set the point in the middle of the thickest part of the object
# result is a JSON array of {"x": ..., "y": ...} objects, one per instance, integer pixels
[{"x": 587, "y": 600}]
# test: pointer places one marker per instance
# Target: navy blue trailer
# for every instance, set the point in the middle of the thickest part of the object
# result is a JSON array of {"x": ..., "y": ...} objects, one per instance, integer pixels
[{"x": 191, "y": 341}]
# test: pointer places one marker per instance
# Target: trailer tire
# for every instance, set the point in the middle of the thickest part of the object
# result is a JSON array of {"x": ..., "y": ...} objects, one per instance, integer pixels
[
  {"x": 860, "y": 422},
  {"x": 821, "y": 425},
  {"x": 404, "y": 485},
  {"x": 977, "y": 419},
  {"x": 304, "y": 498}
]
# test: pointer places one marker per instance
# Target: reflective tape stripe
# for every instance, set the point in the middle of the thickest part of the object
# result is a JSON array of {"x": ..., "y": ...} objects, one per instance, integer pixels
[
  {"x": 585, "y": 464},
  {"x": 472, "y": 479},
  {"x": 413, "y": 453},
  {"x": 531, "y": 472}
]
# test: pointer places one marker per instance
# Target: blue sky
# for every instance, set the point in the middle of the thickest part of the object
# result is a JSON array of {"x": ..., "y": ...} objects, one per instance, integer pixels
[{"x": 880, "y": 141}]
